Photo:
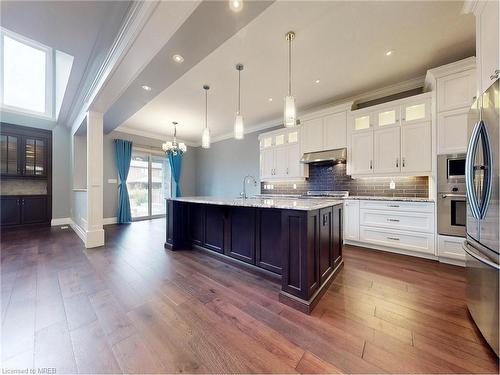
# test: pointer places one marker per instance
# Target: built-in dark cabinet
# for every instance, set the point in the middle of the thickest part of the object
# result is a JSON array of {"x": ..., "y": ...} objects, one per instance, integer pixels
[
  {"x": 337, "y": 237},
  {"x": 25, "y": 209},
  {"x": 215, "y": 228},
  {"x": 325, "y": 243},
  {"x": 24, "y": 155},
  {"x": 196, "y": 227}
]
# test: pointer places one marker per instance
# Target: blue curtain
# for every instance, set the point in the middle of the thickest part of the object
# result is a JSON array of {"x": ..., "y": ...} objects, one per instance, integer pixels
[
  {"x": 123, "y": 152},
  {"x": 175, "y": 165}
]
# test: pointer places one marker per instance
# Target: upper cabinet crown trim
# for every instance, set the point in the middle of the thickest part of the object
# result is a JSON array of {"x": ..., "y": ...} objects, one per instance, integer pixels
[
  {"x": 445, "y": 70},
  {"x": 327, "y": 111}
]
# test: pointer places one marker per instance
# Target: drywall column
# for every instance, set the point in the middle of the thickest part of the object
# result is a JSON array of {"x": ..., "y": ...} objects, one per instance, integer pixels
[{"x": 95, "y": 232}]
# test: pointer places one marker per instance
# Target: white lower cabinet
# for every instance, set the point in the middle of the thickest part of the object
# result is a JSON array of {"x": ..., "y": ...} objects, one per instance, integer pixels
[
  {"x": 413, "y": 241},
  {"x": 391, "y": 225},
  {"x": 351, "y": 220},
  {"x": 450, "y": 247}
]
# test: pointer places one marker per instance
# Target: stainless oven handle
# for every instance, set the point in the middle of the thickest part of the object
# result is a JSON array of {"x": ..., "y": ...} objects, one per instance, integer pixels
[
  {"x": 453, "y": 195},
  {"x": 479, "y": 258}
]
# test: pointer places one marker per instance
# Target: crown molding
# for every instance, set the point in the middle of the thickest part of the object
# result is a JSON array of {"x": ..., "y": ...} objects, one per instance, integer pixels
[
  {"x": 152, "y": 135},
  {"x": 137, "y": 15},
  {"x": 471, "y": 6}
]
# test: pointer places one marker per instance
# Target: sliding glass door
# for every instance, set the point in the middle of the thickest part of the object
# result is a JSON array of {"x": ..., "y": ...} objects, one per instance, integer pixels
[{"x": 148, "y": 183}]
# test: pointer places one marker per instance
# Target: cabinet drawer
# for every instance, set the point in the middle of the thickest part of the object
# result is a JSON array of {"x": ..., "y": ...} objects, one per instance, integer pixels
[
  {"x": 418, "y": 242},
  {"x": 410, "y": 221},
  {"x": 451, "y": 247},
  {"x": 398, "y": 206}
]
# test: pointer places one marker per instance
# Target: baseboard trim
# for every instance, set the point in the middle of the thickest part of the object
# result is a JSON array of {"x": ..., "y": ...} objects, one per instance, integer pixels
[
  {"x": 94, "y": 238},
  {"x": 80, "y": 232},
  {"x": 109, "y": 220},
  {"x": 60, "y": 221},
  {"x": 454, "y": 262},
  {"x": 391, "y": 250}
]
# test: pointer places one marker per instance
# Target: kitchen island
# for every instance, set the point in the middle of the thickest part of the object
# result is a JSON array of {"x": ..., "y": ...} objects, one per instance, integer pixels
[{"x": 299, "y": 240}]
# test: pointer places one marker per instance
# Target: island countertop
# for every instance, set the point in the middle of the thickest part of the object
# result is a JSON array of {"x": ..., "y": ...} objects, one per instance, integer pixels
[{"x": 285, "y": 204}]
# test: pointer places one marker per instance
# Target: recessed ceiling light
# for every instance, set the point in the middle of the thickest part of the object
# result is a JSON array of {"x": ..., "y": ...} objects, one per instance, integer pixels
[
  {"x": 270, "y": 99},
  {"x": 178, "y": 58},
  {"x": 317, "y": 81},
  {"x": 236, "y": 5},
  {"x": 146, "y": 87},
  {"x": 389, "y": 53}
]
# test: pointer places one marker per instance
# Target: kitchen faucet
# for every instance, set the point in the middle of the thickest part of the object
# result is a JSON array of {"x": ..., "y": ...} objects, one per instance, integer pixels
[{"x": 244, "y": 193}]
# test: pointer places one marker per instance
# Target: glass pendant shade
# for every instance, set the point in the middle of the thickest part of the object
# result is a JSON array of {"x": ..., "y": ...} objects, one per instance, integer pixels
[
  {"x": 290, "y": 114},
  {"x": 238, "y": 127},
  {"x": 205, "y": 138}
]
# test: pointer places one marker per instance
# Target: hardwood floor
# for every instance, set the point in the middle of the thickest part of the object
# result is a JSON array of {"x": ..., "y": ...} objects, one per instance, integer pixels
[{"x": 135, "y": 307}]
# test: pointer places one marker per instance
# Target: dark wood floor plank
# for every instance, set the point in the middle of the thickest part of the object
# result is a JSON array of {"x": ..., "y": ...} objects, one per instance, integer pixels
[{"x": 132, "y": 306}]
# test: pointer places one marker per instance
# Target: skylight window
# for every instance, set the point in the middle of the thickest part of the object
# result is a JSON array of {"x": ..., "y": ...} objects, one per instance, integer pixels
[
  {"x": 24, "y": 76},
  {"x": 33, "y": 77}
]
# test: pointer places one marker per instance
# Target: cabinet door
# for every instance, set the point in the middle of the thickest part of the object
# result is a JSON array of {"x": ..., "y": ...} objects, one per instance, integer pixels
[
  {"x": 266, "y": 163},
  {"x": 35, "y": 157},
  {"x": 325, "y": 243},
  {"x": 335, "y": 131},
  {"x": 312, "y": 135},
  {"x": 214, "y": 228},
  {"x": 294, "y": 167},
  {"x": 387, "y": 150},
  {"x": 196, "y": 220},
  {"x": 456, "y": 91},
  {"x": 413, "y": 112},
  {"x": 452, "y": 131},
  {"x": 242, "y": 234},
  {"x": 387, "y": 117},
  {"x": 361, "y": 122},
  {"x": 487, "y": 43},
  {"x": 34, "y": 210},
  {"x": 281, "y": 162},
  {"x": 268, "y": 250},
  {"x": 351, "y": 220},
  {"x": 9, "y": 155},
  {"x": 10, "y": 211},
  {"x": 362, "y": 153},
  {"x": 416, "y": 153}
]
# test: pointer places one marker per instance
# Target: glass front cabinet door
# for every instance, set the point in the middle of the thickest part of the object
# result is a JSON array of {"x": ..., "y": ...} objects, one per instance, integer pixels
[
  {"x": 35, "y": 157},
  {"x": 10, "y": 164}
]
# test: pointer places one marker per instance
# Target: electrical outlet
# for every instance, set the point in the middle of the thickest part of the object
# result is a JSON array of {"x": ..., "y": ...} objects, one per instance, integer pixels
[
  {"x": 392, "y": 185},
  {"x": 295, "y": 186}
]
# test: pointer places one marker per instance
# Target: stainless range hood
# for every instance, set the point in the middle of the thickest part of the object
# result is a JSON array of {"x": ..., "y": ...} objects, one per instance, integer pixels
[{"x": 337, "y": 155}]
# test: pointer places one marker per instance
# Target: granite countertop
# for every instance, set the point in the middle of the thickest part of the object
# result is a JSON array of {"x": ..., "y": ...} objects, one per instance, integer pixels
[
  {"x": 398, "y": 199},
  {"x": 285, "y": 204}
]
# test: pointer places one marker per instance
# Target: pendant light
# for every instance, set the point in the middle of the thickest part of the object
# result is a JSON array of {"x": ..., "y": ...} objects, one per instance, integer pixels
[
  {"x": 205, "y": 136},
  {"x": 239, "y": 128},
  {"x": 290, "y": 113}
]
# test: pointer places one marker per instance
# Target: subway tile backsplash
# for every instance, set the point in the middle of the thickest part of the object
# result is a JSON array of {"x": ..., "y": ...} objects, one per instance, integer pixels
[{"x": 334, "y": 177}]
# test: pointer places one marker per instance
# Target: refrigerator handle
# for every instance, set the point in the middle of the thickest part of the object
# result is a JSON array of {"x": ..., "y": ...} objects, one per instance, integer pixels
[
  {"x": 488, "y": 180},
  {"x": 469, "y": 171}
]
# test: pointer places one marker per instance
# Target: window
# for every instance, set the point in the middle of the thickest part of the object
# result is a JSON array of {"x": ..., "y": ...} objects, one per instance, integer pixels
[
  {"x": 148, "y": 183},
  {"x": 27, "y": 80}
]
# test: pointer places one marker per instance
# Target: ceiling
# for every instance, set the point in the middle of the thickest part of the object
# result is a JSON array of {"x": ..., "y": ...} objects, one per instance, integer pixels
[
  {"x": 343, "y": 44},
  {"x": 83, "y": 29}
]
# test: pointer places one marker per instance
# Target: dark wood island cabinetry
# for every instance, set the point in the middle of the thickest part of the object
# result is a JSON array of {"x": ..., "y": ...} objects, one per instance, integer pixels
[{"x": 299, "y": 241}]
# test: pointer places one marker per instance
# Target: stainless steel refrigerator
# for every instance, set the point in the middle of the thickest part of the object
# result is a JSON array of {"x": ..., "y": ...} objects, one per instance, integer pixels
[{"x": 483, "y": 219}]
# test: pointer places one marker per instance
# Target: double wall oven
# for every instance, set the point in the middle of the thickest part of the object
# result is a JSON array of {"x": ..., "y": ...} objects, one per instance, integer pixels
[{"x": 452, "y": 207}]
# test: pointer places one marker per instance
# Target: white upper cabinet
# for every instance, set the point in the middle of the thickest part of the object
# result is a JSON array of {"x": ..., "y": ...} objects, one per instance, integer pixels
[
  {"x": 361, "y": 161},
  {"x": 381, "y": 138},
  {"x": 416, "y": 148},
  {"x": 452, "y": 131},
  {"x": 456, "y": 90},
  {"x": 312, "y": 135},
  {"x": 280, "y": 154},
  {"x": 487, "y": 43},
  {"x": 335, "y": 131},
  {"x": 387, "y": 152}
]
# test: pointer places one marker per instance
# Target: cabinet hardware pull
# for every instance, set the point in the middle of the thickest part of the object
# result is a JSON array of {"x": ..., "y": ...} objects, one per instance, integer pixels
[
  {"x": 393, "y": 238},
  {"x": 403, "y": 119},
  {"x": 397, "y": 162},
  {"x": 287, "y": 171},
  {"x": 371, "y": 164},
  {"x": 404, "y": 162},
  {"x": 393, "y": 220},
  {"x": 393, "y": 205},
  {"x": 495, "y": 74}
]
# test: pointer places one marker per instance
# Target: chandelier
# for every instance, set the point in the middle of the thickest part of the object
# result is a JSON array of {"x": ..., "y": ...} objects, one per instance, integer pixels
[{"x": 174, "y": 148}]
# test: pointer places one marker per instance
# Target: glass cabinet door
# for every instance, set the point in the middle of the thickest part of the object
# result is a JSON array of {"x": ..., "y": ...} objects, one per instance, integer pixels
[
  {"x": 416, "y": 112},
  {"x": 9, "y": 156},
  {"x": 387, "y": 117},
  {"x": 361, "y": 122},
  {"x": 35, "y": 151}
]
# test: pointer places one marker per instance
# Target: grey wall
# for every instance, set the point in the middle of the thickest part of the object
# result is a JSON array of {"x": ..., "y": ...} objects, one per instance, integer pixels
[
  {"x": 222, "y": 167},
  {"x": 110, "y": 190},
  {"x": 61, "y": 160}
]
